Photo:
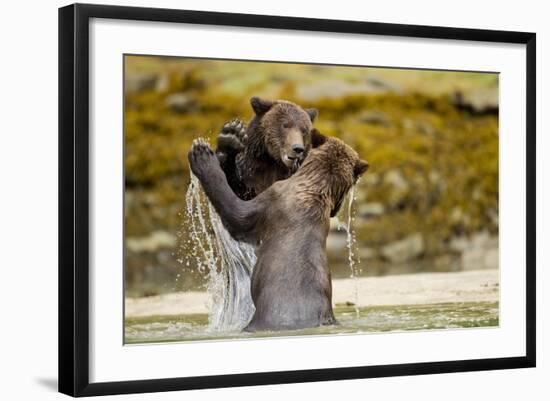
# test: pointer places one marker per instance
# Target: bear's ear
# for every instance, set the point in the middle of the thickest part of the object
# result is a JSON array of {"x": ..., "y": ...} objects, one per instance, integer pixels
[
  {"x": 312, "y": 113},
  {"x": 260, "y": 106},
  {"x": 317, "y": 139},
  {"x": 360, "y": 167}
]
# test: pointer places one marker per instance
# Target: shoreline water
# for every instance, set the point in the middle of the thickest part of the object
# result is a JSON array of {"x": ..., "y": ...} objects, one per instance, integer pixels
[{"x": 406, "y": 289}]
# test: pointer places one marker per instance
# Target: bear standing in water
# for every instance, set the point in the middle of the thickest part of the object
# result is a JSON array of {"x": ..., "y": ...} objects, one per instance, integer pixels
[
  {"x": 271, "y": 148},
  {"x": 289, "y": 223}
]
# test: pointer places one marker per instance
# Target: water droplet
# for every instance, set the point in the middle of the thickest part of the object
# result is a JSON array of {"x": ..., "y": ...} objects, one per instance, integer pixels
[{"x": 224, "y": 263}]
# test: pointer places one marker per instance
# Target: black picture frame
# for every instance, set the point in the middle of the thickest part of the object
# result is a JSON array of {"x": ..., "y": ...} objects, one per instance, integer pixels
[{"x": 74, "y": 194}]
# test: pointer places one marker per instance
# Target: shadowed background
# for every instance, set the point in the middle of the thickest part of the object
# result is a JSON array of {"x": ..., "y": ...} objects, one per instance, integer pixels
[{"x": 429, "y": 202}]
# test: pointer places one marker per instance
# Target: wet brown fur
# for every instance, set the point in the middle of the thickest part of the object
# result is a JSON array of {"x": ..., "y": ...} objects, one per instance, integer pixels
[
  {"x": 274, "y": 129},
  {"x": 289, "y": 223}
]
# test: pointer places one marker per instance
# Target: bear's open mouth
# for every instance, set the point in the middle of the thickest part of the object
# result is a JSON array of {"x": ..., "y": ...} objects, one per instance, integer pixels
[
  {"x": 288, "y": 160},
  {"x": 291, "y": 161}
]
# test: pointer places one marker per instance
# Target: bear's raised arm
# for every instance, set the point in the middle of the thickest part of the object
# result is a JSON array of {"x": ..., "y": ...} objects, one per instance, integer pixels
[{"x": 239, "y": 217}]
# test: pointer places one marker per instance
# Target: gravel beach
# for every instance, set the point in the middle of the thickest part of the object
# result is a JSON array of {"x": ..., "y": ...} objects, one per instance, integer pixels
[{"x": 406, "y": 289}]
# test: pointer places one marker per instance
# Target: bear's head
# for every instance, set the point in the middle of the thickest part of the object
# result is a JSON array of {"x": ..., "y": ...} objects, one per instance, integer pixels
[
  {"x": 333, "y": 168},
  {"x": 284, "y": 129}
]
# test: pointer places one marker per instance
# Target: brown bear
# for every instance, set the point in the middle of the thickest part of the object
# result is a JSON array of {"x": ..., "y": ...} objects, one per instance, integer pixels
[
  {"x": 289, "y": 223},
  {"x": 275, "y": 142},
  {"x": 269, "y": 149}
]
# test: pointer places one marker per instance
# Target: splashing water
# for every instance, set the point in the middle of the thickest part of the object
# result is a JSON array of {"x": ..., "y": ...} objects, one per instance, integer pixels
[
  {"x": 351, "y": 243},
  {"x": 226, "y": 263}
]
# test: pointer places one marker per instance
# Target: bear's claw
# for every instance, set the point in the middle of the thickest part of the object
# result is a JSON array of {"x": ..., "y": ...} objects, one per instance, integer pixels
[{"x": 232, "y": 137}]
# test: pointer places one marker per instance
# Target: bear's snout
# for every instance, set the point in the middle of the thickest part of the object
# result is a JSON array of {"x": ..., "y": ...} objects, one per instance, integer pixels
[
  {"x": 298, "y": 149},
  {"x": 294, "y": 149}
]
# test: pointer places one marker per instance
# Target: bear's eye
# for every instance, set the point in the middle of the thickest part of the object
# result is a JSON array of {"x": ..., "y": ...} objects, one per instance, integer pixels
[
  {"x": 304, "y": 130},
  {"x": 287, "y": 125}
]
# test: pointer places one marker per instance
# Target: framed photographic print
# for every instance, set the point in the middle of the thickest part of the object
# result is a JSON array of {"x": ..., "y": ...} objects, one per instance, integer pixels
[{"x": 249, "y": 199}]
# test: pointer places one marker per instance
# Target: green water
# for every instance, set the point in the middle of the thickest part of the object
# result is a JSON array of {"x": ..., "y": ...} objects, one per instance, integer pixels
[{"x": 155, "y": 329}]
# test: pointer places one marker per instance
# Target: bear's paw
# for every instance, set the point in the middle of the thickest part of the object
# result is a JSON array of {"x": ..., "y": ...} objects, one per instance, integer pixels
[
  {"x": 201, "y": 158},
  {"x": 231, "y": 139}
]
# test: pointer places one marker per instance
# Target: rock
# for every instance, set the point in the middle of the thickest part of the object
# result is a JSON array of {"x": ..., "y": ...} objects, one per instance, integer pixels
[
  {"x": 473, "y": 259},
  {"x": 337, "y": 241},
  {"x": 478, "y": 252},
  {"x": 155, "y": 241},
  {"x": 327, "y": 90},
  {"x": 435, "y": 177},
  {"x": 374, "y": 117},
  {"x": 459, "y": 244},
  {"x": 279, "y": 78},
  {"x": 395, "y": 179},
  {"x": 408, "y": 125},
  {"x": 404, "y": 250},
  {"x": 367, "y": 253},
  {"x": 482, "y": 101},
  {"x": 446, "y": 263},
  {"x": 425, "y": 128},
  {"x": 382, "y": 84},
  {"x": 370, "y": 209},
  {"x": 484, "y": 240},
  {"x": 336, "y": 89},
  {"x": 143, "y": 82},
  {"x": 493, "y": 215},
  {"x": 413, "y": 127},
  {"x": 370, "y": 179},
  {"x": 458, "y": 216},
  {"x": 399, "y": 186},
  {"x": 162, "y": 84},
  {"x": 491, "y": 258},
  {"x": 181, "y": 103},
  {"x": 437, "y": 181},
  {"x": 129, "y": 199}
]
